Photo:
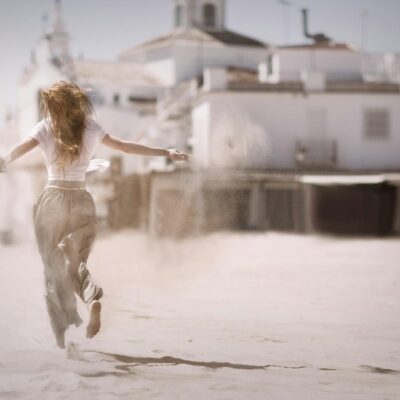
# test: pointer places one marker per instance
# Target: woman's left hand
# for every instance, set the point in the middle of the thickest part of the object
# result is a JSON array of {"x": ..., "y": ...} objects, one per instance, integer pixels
[{"x": 177, "y": 155}]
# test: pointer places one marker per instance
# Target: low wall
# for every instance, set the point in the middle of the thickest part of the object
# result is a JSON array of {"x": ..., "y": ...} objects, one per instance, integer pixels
[{"x": 186, "y": 203}]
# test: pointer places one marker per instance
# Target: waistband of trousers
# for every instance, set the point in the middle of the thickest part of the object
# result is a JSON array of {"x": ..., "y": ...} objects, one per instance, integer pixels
[{"x": 65, "y": 184}]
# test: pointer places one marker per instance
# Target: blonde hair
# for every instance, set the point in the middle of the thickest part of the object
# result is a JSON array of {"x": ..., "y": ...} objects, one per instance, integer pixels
[{"x": 68, "y": 108}]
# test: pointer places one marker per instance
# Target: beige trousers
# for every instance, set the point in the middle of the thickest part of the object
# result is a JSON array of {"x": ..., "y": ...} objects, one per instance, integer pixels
[{"x": 64, "y": 219}]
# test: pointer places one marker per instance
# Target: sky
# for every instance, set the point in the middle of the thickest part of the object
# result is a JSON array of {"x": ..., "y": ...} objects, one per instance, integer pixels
[{"x": 101, "y": 29}]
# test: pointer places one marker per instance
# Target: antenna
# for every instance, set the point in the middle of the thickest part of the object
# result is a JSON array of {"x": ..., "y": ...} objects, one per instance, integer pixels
[{"x": 364, "y": 29}]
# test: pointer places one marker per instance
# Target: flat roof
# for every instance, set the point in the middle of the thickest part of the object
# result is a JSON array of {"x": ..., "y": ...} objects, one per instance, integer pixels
[
  {"x": 330, "y": 87},
  {"x": 318, "y": 46}
]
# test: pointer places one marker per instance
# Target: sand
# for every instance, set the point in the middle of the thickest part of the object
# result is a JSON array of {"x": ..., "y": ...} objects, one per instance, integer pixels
[{"x": 224, "y": 316}]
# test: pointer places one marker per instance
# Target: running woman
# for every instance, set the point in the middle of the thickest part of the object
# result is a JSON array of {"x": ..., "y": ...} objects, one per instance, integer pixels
[{"x": 64, "y": 215}]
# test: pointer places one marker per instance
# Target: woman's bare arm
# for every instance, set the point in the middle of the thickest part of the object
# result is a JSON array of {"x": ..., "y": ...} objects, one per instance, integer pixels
[
  {"x": 136, "y": 148},
  {"x": 18, "y": 151}
]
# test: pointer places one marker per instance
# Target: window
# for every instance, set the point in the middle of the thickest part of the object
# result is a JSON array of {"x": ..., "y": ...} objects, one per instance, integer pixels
[
  {"x": 143, "y": 105},
  {"x": 376, "y": 123},
  {"x": 116, "y": 99},
  {"x": 209, "y": 15},
  {"x": 141, "y": 100},
  {"x": 178, "y": 16}
]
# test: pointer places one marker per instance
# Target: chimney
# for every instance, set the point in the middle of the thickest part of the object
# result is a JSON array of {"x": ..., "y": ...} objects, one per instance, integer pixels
[
  {"x": 317, "y": 37},
  {"x": 305, "y": 23}
]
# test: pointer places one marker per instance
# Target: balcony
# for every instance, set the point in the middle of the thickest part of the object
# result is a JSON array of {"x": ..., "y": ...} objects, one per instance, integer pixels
[{"x": 316, "y": 154}]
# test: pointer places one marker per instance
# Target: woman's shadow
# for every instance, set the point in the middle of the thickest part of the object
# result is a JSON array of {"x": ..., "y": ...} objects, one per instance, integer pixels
[{"x": 126, "y": 364}]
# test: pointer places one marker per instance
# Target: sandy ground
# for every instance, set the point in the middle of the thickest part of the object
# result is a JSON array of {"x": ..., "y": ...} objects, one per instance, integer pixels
[{"x": 226, "y": 316}]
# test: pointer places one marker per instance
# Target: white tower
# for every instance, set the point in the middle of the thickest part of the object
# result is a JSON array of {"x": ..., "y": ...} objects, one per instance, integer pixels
[
  {"x": 202, "y": 14},
  {"x": 50, "y": 62},
  {"x": 58, "y": 37}
]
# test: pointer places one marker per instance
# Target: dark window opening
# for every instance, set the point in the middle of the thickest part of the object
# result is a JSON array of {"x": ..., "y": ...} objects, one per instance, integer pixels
[
  {"x": 270, "y": 64},
  {"x": 209, "y": 14},
  {"x": 142, "y": 100},
  {"x": 116, "y": 99},
  {"x": 178, "y": 16},
  {"x": 143, "y": 105}
]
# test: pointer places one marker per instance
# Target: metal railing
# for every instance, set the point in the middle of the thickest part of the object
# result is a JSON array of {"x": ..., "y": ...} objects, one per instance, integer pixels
[{"x": 316, "y": 153}]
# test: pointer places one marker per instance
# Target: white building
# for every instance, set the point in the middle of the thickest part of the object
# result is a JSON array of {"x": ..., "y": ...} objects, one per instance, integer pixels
[
  {"x": 321, "y": 103},
  {"x": 317, "y": 105},
  {"x": 353, "y": 127}
]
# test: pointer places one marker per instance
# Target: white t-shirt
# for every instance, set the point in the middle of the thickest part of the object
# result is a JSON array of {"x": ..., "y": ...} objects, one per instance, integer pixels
[{"x": 75, "y": 171}]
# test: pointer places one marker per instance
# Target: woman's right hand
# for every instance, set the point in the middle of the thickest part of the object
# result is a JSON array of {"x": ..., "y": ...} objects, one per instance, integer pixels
[{"x": 177, "y": 155}]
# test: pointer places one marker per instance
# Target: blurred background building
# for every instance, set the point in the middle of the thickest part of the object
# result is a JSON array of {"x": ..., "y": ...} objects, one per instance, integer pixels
[{"x": 282, "y": 137}]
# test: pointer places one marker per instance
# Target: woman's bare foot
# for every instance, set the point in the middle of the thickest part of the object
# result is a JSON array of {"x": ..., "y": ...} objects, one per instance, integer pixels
[{"x": 94, "y": 319}]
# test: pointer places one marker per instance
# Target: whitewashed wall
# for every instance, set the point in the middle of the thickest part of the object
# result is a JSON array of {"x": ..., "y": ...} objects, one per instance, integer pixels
[
  {"x": 191, "y": 60},
  {"x": 28, "y": 104},
  {"x": 340, "y": 65},
  {"x": 184, "y": 61},
  {"x": 201, "y": 133},
  {"x": 164, "y": 69},
  {"x": 285, "y": 120}
]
